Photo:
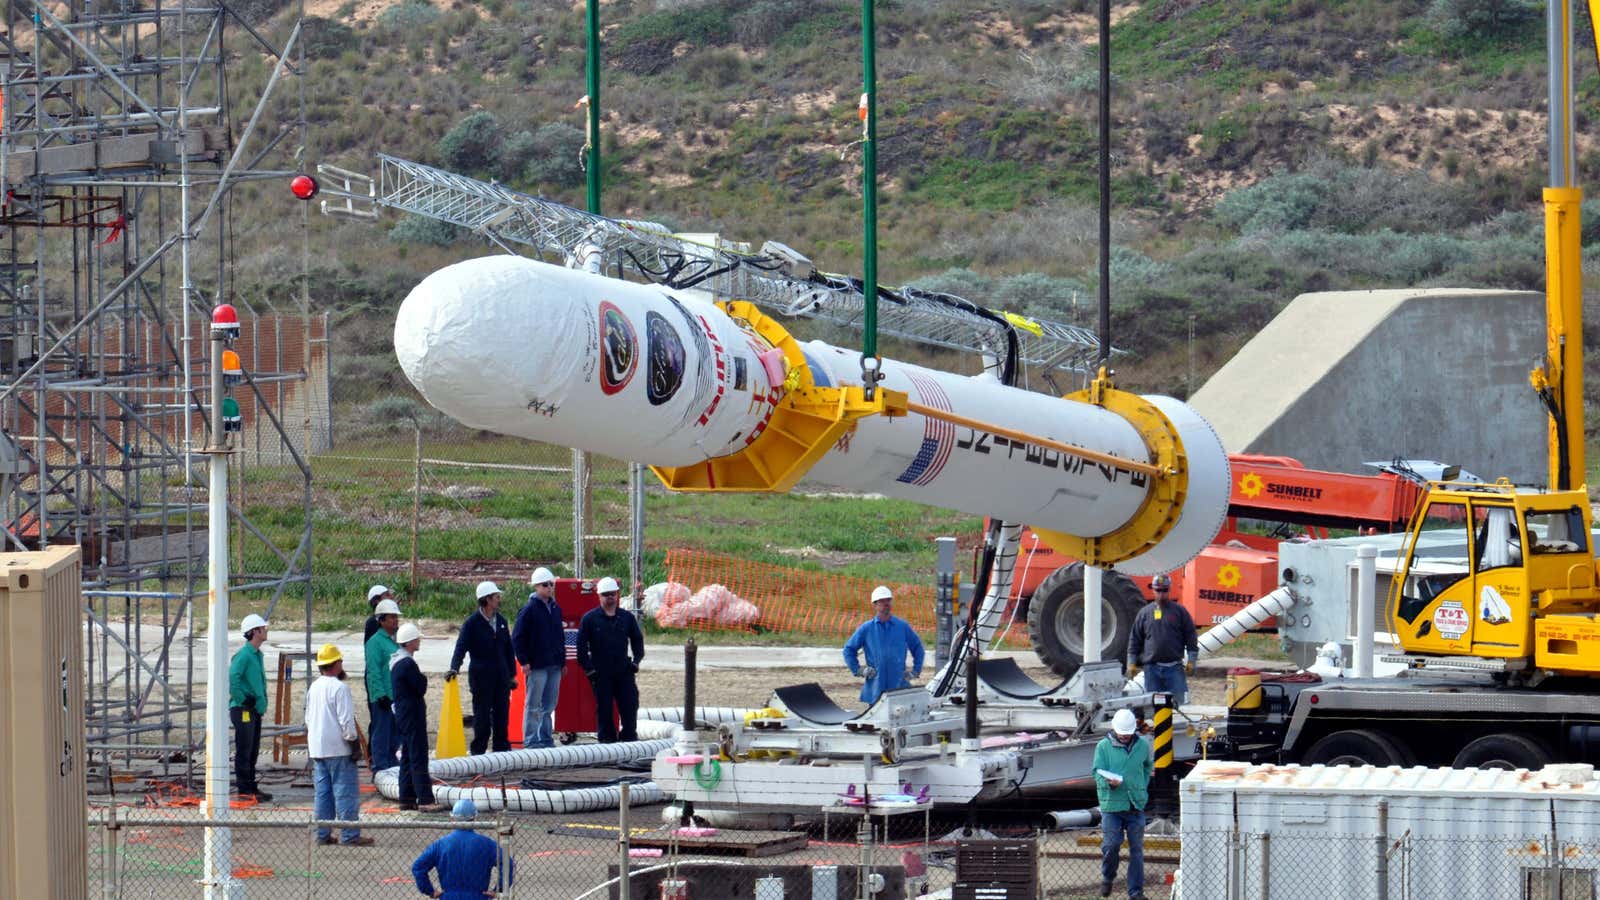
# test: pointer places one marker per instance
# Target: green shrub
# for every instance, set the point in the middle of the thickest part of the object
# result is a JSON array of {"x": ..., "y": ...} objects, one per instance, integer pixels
[
  {"x": 423, "y": 230},
  {"x": 408, "y": 16},
  {"x": 1279, "y": 203},
  {"x": 555, "y": 156},
  {"x": 1474, "y": 18},
  {"x": 326, "y": 38},
  {"x": 473, "y": 144}
]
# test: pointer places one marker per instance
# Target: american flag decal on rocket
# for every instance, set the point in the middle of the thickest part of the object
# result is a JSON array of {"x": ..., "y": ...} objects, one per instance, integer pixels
[{"x": 937, "y": 436}]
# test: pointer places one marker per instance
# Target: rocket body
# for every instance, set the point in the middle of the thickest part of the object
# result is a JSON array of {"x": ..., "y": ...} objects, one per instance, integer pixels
[{"x": 667, "y": 378}]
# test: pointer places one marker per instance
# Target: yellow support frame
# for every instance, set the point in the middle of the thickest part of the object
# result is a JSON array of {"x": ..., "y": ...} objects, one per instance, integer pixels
[{"x": 806, "y": 424}]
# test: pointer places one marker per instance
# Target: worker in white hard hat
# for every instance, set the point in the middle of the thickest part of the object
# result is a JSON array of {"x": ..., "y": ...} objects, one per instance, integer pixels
[
  {"x": 540, "y": 641},
  {"x": 380, "y": 697},
  {"x": 486, "y": 638},
  {"x": 886, "y": 640},
  {"x": 375, "y": 595},
  {"x": 1164, "y": 642},
  {"x": 247, "y": 704},
  {"x": 1123, "y": 764},
  {"x": 466, "y": 861},
  {"x": 410, "y": 688},
  {"x": 334, "y": 745},
  {"x": 606, "y": 635}
]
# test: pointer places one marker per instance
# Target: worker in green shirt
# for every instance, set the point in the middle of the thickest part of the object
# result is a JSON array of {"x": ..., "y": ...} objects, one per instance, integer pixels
[
  {"x": 1123, "y": 764},
  {"x": 380, "y": 694},
  {"x": 247, "y": 704}
]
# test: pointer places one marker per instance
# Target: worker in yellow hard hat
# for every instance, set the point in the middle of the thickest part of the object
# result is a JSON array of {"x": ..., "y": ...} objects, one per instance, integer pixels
[{"x": 333, "y": 743}]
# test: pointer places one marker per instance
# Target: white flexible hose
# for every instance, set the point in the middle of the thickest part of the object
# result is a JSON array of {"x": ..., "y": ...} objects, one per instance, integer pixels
[
  {"x": 658, "y": 725},
  {"x": 1228, "y": 630}
]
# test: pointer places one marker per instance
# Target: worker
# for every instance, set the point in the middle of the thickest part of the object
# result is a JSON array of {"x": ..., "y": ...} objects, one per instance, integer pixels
[
  {"x": 1164, "y": 643},
  {"x": 375, "y": 595},
  {"x": 486, "y": 638},
  {"x": 410, "y": 688},
  {"x": 605, "y": 635},
  {"x": 886, "y": 639},
  {"x": 464, "y": 860},
  {"x": 1123, "y": 765},
  {"x": 332, "y": 741},
  {"x": 540, "y": 642},
  {"x": 380, "y": 699},
  {"x": 247, "y": 703}
]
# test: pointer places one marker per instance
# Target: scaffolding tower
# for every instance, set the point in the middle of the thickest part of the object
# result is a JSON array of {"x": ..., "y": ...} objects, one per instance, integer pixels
[{"x": 117, "y": 154}]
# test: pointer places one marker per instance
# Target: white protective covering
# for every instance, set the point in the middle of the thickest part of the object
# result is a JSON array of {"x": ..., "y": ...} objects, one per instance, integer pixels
[{"x": 664, "y": 378}]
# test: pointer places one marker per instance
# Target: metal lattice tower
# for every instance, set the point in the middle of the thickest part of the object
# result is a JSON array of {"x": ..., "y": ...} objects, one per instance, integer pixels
[
  {"x": 116, "y": 157},
  {"x": 776, "y": 278}
]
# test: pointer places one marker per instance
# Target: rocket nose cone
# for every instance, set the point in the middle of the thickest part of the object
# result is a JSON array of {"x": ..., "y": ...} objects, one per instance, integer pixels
[{"x": 472, "y": 332}]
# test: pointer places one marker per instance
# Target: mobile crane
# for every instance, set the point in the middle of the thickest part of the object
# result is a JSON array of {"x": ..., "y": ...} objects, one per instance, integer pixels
[{"x": 1493, "y": 590}]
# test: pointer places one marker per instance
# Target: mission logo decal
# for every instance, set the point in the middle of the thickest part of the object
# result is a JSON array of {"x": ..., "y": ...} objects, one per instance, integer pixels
[
  {"x": 664, "y": 364},
  {"x": 619, "y": 349}
]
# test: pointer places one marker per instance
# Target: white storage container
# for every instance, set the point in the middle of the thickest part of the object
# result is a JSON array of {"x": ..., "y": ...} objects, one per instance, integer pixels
[{"x": 1315, "y": 832}]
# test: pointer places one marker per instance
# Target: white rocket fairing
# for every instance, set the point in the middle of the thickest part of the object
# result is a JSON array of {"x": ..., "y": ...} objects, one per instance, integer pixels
[{"x": 669, "y": 379}]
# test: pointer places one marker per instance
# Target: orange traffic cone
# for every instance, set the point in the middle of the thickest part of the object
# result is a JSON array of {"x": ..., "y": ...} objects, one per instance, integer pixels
[
  {"x": 519, "y": 695},
  {"x": 452, "y": 740}
]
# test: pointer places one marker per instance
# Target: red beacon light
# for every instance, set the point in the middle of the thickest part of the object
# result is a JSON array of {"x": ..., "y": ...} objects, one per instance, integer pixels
[
  {"x": 304, "y": 186},
  {"x": 225, "y": 321}
]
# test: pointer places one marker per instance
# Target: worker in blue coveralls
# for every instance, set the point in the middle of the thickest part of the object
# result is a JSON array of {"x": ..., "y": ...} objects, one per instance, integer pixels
[
  {"x": 465, "y": 861},
  {"x": 886, "y": 639}
]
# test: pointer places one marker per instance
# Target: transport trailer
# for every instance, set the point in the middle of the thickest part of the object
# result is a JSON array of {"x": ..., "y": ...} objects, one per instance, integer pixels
[{"x": 803, "y": 752}]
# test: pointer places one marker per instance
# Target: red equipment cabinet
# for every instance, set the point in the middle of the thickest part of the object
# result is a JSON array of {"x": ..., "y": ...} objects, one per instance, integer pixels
[{"x": 575, "y": 706}]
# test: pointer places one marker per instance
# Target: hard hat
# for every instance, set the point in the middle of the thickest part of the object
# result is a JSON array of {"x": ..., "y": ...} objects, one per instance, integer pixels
[
  {"x": 882, "y": 592},
  {"x": 1124, "y": 723},
  {"x": 328, "y": 655},
  {"x": 387, "y": 608},
  {"x": 376, "y": 591},
  {"x": 407, "y": 633},
  {"x": 485, "y": 588},
  {"x": 1161, "y": 583},
  {"x": 607, "y": 586},
  {"x": 251, "y": 623},
  {"x": 541, "y": 575},
  {"x": 464, "y": 809}
]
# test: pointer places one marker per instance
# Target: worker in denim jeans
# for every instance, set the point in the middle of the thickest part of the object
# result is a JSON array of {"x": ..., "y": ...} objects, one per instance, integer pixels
[
  {"x": 334, "y": 746},
  {"x": 1165, "y": 643},
  {"x": 1123, "y": 765},
  {"x": 539, "y": 640}
]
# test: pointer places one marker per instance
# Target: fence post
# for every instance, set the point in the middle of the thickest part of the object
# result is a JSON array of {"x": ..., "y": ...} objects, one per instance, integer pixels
[
  {"x": 1266, "y": 866},
  {"x": 416, "y": 504},
  {"x": 1383, "y": 850},
  {"x": 624, "y": 880},
  {"x": 311, "y": 851},
  {"x": 111, "y": 863},
  {"x": 507, "y": 855},
  {"x": 1555, "y": 852}
]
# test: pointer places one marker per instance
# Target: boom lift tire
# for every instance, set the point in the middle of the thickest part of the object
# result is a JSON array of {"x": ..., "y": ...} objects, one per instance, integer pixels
[
  {"x": 1503, "y": 751},
  {"x": 1358, "y": 747},
  {"x": 1055, "y": 617}
]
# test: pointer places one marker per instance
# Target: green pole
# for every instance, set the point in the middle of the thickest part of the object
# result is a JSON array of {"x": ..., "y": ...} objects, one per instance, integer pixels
[
  {"x": 593, "y": 67},
  {"x": 869, "y": 190}
]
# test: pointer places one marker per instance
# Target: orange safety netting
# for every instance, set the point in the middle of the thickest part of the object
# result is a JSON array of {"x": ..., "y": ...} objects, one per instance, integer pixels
[{"x": 797, "y": 600}]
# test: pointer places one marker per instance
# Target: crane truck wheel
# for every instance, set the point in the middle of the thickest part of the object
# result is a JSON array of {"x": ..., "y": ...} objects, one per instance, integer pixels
[
  {"x": 1055, "y": 618},
  {"x": 1358, "y": 747},
  {"x": 1503, "y": 751}
]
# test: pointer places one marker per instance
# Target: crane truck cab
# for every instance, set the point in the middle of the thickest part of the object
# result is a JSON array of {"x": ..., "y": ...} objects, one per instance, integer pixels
[{"x": 1501, "y": 576}]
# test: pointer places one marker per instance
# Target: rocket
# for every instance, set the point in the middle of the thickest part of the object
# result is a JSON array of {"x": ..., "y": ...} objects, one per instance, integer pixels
[{"x": 710, "y": 394}]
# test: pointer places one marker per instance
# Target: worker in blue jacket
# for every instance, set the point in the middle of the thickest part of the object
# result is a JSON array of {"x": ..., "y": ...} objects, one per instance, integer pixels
[
  {"x": 411, "y": 722},
  {"x": 886, "y": 639},
  {"x": 606, "y": 634},
  {"x": 465, "y": 861},
  {"x": 486, "y": 638},
  {"x": 540, "y": 641}
]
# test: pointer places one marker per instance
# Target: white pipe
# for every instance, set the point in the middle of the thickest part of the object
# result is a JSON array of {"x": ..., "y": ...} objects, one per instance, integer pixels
[
  {"x": 1366, "y": 606},
  {"x": 218, "y": 839},
  {"x": 1275, "y": 603},
  {"x": 1000, "y": 578},
  {"x": 1093, "y": 583},
  {"x": 657, "y": 725},
  {"x": 1062, "y": 819}
]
